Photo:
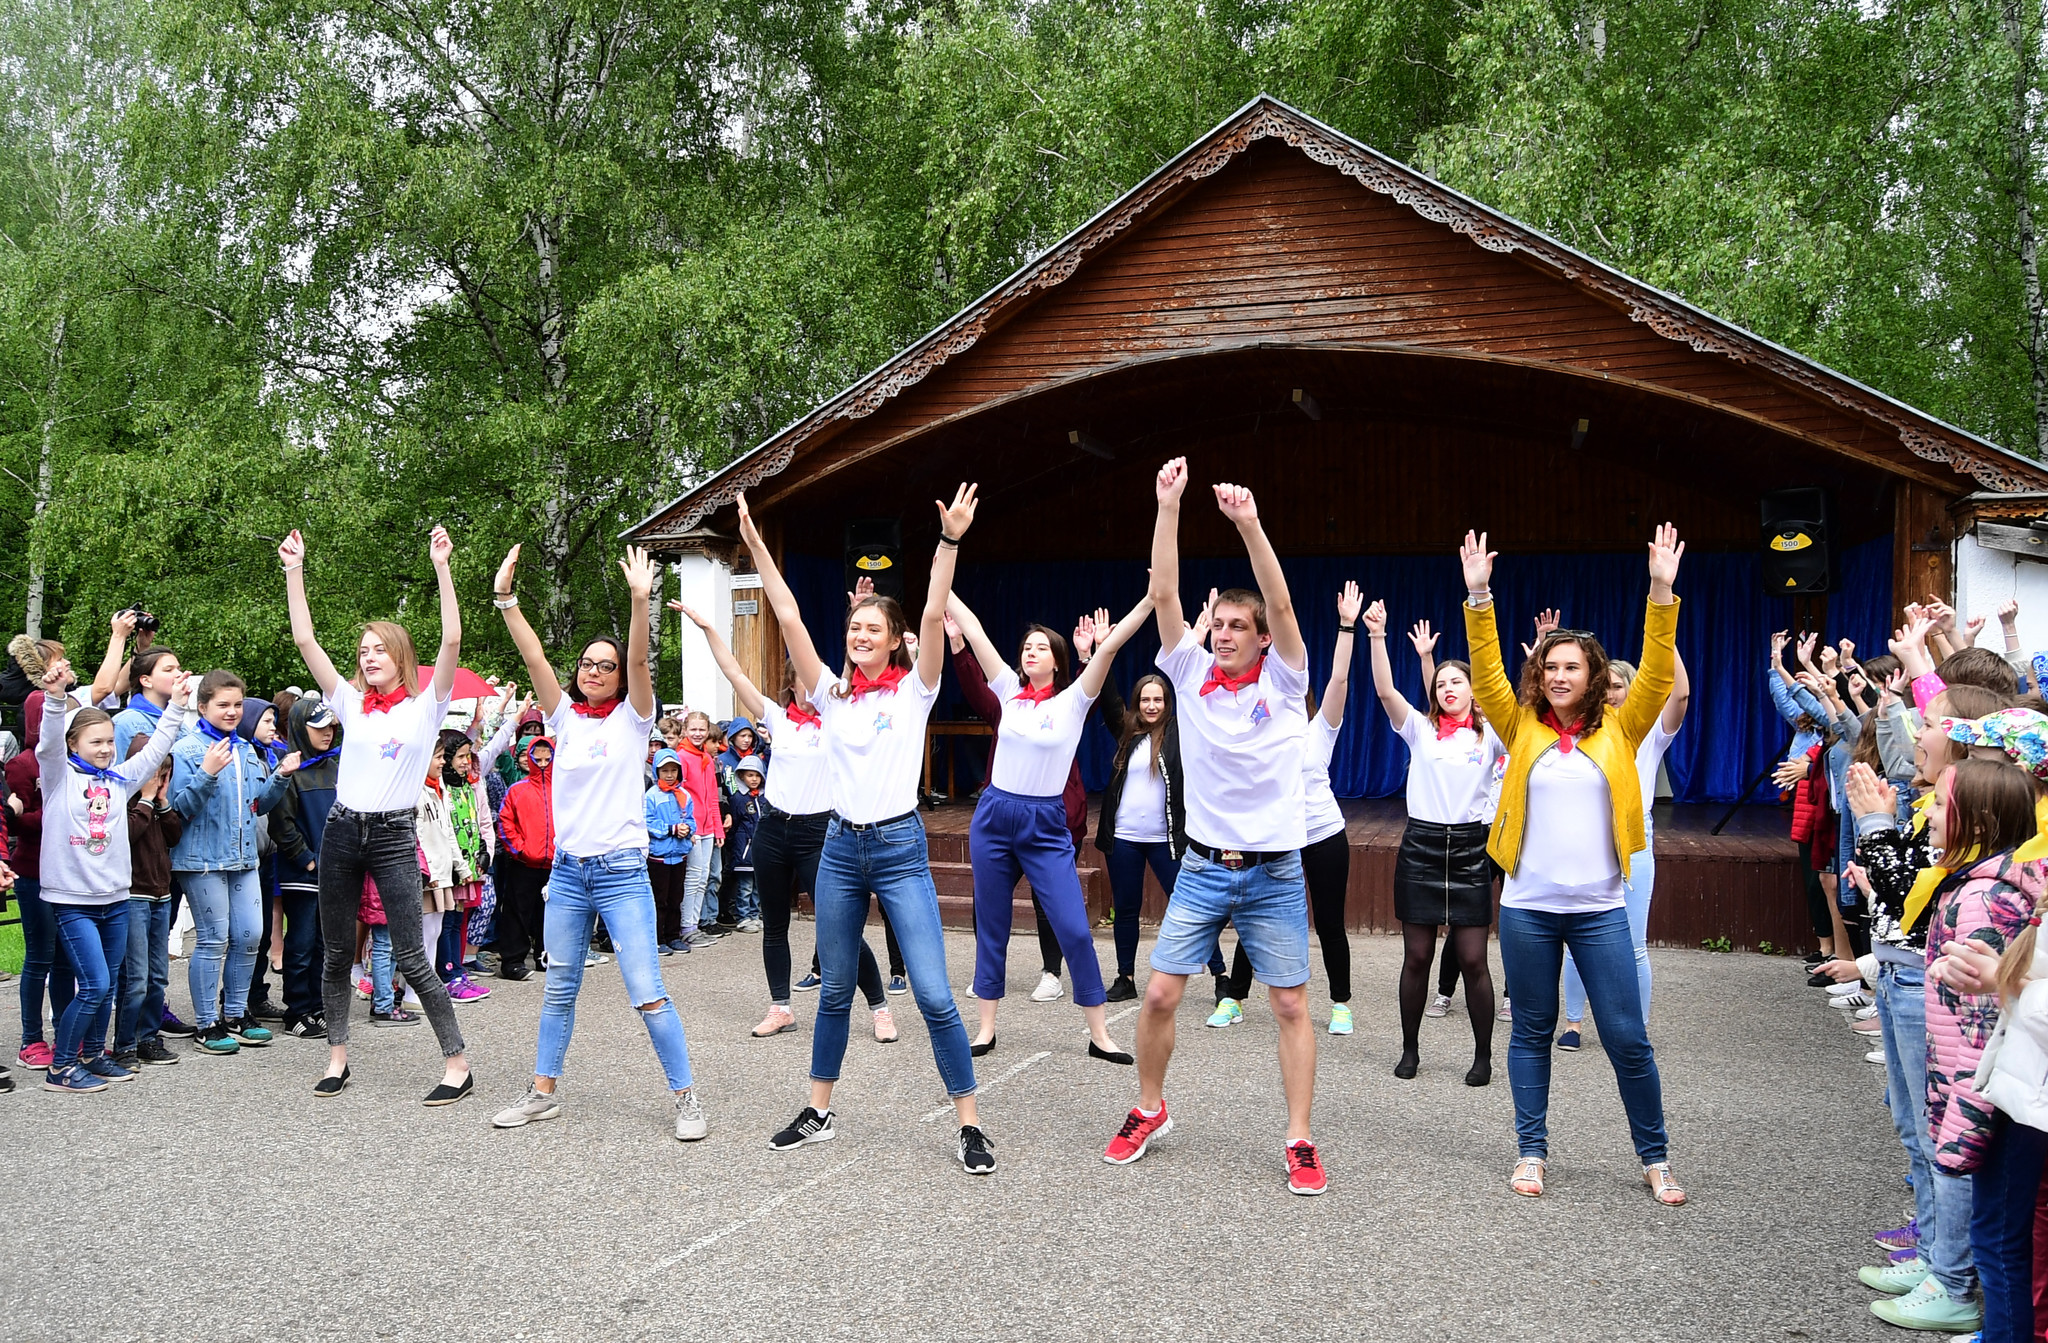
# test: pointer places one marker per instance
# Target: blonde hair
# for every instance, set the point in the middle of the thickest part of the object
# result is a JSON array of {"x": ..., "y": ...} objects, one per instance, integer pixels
[{"x": 398, "y": 643}]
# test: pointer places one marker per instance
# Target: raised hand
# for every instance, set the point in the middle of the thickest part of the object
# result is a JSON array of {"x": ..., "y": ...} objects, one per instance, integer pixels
[
  {"x": 1941, "y": 613},
  {"x": 1200, "y": 625},
  {"x": 186, "y": 692},
  {"x": 1848, "y": 650},
  {"x": 955, "y": 639},
  {"x": 1870, "y": 795},
  {"x": 1423, "y": 637},
  {"x": 1375, "y": 618},
  {"x": 1912, "y": 636},
  {"x": 748, "y": 531},
  {"x": 501, "y": 585},
  {"x": 2009, "y": 613},
  {"x": 862, "y": 587},
  {"x": 440, "y": 548},
  {"x": 218, "y": 755},
  {"x": 690, "y": 614},
  {"x": 1237, "y": 504},
  {"x": 1666, "y": 550},
  {"x": 1548, "y": 619},
  {"x": 638, "y": 567},
  {"x": 957, "y": 517},
  {"x": 1778, "y": 642},
  {"x": 1806, "y": 643},
  {"x": 1477, "y": 562},
  {"x": 1827, "y": 661},
  {"x": 1971, "y": 629},
  {"x": 1172, "y": 481},
  {"x": 1348, "y": 603},
  {"x": 291, "y": 552},
  {"x": 56, "y": 677},
  {"x": 124, "y": 624},
  {"x": 1084, "y": 636}
]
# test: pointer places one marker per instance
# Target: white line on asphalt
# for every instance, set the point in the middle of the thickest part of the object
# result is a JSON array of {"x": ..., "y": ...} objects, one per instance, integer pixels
[
  {"x": 993, "y": 1081},
  {"x": 706, "y": 1242},
  {"x": 1126, "y": 1012}
]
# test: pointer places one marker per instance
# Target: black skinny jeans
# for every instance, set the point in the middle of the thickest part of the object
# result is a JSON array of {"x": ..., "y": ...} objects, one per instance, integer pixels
[
  {"x": 518, "y": 925},
  {"x": 384, "y": 846},
  {"x": 1326, "y": 867},
  {"x": 786, "y": 850}
]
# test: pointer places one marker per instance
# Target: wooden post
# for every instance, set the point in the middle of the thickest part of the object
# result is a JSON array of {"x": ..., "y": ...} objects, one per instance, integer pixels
[{"x": 1923, "y": 546}]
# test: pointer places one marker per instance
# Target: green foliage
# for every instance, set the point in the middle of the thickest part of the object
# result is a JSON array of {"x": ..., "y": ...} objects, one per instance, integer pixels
[
  {"x": 1716, "y": 944},
  {"x": 529, "y": 269}
]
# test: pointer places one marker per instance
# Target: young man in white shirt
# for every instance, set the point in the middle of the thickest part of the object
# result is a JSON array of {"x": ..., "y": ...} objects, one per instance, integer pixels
[{"x": 1242, "y": 725}]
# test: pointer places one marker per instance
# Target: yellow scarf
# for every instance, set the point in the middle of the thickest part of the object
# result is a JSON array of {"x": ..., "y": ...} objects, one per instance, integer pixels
[
  {"x": 1930, "y": 877},
  {"x": 2037, "y": 847}
]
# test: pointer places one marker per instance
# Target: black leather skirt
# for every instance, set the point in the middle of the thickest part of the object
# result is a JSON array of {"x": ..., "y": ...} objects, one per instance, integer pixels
[{"x": 1442, "y": 875}]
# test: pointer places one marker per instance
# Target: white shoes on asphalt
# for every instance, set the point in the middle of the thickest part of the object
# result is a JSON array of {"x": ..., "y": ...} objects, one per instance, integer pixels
[
  {"x": 1048, "y": 989},
  {"x": 536, "y": 1105}
]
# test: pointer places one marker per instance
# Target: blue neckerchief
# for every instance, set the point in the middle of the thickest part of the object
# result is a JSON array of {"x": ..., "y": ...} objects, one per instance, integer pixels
[
  {"x": 212, "y": 733},
  {"x": 309, "y": 761},
  {"x": 272, "y": 753},
  {"x": 140, "y": 703},
  {"x": 85, "y": 767}
]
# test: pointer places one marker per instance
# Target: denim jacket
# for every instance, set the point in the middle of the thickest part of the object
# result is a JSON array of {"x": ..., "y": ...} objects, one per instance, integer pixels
[{"x": 220, "y": 810}]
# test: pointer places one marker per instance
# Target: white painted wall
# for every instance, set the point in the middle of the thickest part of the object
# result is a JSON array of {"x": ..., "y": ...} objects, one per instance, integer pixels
[
  {"x": 705, "y": 585},
  {"x": 1987, "y": 579}
]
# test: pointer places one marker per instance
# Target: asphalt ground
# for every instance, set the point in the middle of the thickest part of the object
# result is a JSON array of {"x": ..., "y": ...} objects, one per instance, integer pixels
[{"x": 220, "y": 1200}]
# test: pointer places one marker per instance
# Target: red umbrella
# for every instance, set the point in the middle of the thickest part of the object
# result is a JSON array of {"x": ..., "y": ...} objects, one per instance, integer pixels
[{"x": 468, "y": 685}]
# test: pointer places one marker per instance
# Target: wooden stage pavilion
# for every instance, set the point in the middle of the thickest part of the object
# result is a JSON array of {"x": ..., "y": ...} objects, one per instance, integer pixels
[{"x": 1386, "y": 363}]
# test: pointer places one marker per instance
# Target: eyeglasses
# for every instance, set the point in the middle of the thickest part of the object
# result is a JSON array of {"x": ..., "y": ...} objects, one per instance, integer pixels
[{"x": 606, "y": 667}]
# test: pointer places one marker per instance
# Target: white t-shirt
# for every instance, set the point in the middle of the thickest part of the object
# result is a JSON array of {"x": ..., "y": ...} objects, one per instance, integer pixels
[
  {"x": 1451, "y": 781},
  {"x": 800, "y": 777},
  {"x": 1035, "y": 743},
  {"x": 876, "y": 746},
  {"x": 1319, "y": 804},
  {"x": 384, "y": 756},
  {"x": 600, "y": 779},
  {"x": 1649, "y": 759},
  {"x": 1141, "y": 810},
  {"x": 1567, "y": 864},
  {"x": 1240, "y": 753}
]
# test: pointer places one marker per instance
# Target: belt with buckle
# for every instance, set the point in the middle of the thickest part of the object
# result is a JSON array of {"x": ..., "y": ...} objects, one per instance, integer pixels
[
  {"x": 877, "y": 825},
  {"x": 1236, "y": 859}
]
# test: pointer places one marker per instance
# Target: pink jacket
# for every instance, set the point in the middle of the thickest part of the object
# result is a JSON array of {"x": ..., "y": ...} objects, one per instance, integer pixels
[
  {"x": 700, "y": 781},
  {"x": 1990, "y": 902}
]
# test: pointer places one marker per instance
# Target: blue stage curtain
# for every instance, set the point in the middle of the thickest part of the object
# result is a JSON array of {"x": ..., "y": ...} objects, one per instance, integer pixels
[{"x": 1724, "y": 632}]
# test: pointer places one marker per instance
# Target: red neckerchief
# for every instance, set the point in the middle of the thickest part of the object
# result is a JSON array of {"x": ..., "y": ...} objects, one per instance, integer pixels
[
  {"x": 665, "y": 786},
  {"x": 1223, "y": 680},
  {"x": 1565, "y": 735},
  {"x": 384, "y": 701},
  {"x": 1446, "y": 725},
  {"x": 589, "y": 710},
  {"x": 802, "y": 715},
  {"x": 861, "y": 683},
  {"x": 434, "y": 782},
  {"x": 1031, "y": 694}
]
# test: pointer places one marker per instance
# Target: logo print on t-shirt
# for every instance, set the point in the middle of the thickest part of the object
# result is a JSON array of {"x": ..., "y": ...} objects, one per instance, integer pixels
[
  {"x": 390, "y": 749},
  {"x": 1260, "y": 713},
  {"x": 883, "y": 722},
  {"x": 1045, "y": 723},
  {"x": 599, "y": 748}
]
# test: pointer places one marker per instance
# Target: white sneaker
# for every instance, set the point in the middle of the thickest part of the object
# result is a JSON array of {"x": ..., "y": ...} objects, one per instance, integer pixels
[
  {"x": 535, "y": 1106},
  {"x": 1874, "y": 1056},
  {"x": 1048, "y": 988},
  {"x": 595, "y": 958},
  {"x": 1849, "y": 1001},
  {"x": 1844, "y": 990},
  {"x": 1439, "y": 1006},
  {"x": 690, "y": 1122},
  {"x": 1866, "y": 1013},
  {"x": 749, "y": 925},
  {"x": 1506, "y": 1012}
]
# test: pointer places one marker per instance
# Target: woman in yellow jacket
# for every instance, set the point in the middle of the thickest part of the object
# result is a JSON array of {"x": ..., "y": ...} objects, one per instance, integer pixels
[{"x": 1565, "y": 845}]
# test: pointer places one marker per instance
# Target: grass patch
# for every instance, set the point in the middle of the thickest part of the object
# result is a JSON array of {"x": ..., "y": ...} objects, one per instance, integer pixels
[{"x": 12, "y": 948}]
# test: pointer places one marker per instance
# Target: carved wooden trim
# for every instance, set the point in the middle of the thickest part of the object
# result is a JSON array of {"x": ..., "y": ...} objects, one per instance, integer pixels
[{"x": 1668, "y": 317}]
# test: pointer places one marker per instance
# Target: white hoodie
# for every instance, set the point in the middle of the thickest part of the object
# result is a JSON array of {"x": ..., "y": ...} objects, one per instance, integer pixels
[{"x": 85, "y": 817}]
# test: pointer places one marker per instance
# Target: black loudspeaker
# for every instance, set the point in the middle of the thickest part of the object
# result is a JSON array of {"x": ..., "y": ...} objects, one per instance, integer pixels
[
  {"x": 874, "y": 551},
  {"x": 1796, "y": 526}
]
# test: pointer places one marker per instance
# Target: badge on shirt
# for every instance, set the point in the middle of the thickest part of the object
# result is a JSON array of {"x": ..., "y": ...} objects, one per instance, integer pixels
[
  {"x": 599, "y": 748},
  {"x": 1260, "y": 713},
  {"x": 883, "y": 722},
  {"x": 390, "y": 749}
]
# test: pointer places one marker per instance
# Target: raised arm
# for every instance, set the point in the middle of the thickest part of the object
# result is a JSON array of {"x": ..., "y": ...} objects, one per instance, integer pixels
[
  {"x": 292, "y": 555},
  {"x": 442, "y": 550},
  {"x": 1168, "y": 487},
  {"x": 638, "y": 567},
  {"x": 978, "y": 642},
  {"x": 1348, "y": 603},
  {"x": 1681, "y": 695},
  {"x": 954, "y": 520},
  {"x": 1654, "y": 678},
  {"x": 803, "y": 654},
  {"x": 743, "y": 688},
  {"x": 1238, "y": 505},
  {"x": 1375, "y": 617},
  {"x": 547, "y": 691},
  {"x": 107, "y": 679},
  {"x": 1097, "y": 671},
  {"x": 1491, "y": 689},
  {"x": 1424, "y": 639}
]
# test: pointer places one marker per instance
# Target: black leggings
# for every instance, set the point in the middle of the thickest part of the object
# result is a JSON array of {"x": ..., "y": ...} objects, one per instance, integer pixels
[
  {"x": 1816, "y": 894},
  {"x": 1326, "y": 868},
  {"x": 518, "y": 925},
  {"x": 1418, "y": 945},
  {"x": 786, "y": 852},
  {"x": 1447, "y": 968}
]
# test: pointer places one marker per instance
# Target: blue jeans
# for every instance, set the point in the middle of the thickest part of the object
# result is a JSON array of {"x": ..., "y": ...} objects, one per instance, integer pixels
[
  {"x": 696, "y": 878},
  {"x": 2002, "y": 1228},
  {"x": 893, "y": 862},
  {"x": 227, "y": 913},
  {"x": 1268, "y": 904},
  {"x": 383, "y": 995},
  {"x": 1940, "y": 1200},
  {"x": 613, "y": 887},
  {"x": 145, "y": 973},
  {"x": 1635, "y": 895},
  {"x": 1532, "y": 946},
  {"x": 746, "y": 894},
  {"x": 95, "y": 937},
  {"x": 1127, "y": 860},
  {"x": 43, "y": 962}
]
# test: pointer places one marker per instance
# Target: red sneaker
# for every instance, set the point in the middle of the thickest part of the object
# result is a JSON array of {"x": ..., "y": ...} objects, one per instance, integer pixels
[
  {"x": 1305, "y": 1170},
  {"x": 1136, "y": 1135},
  {"x": 35, "y": 1056}
]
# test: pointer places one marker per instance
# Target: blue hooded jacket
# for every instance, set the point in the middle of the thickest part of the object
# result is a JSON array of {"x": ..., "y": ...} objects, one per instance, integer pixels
[
  {"x": 666, "y": 809},
  {"x": 221, "y": 811}
]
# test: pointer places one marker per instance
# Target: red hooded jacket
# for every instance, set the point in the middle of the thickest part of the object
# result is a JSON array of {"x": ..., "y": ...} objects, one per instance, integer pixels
[
  {"x": 526, "y": 820},
  {"x": 24, "y": 782}
]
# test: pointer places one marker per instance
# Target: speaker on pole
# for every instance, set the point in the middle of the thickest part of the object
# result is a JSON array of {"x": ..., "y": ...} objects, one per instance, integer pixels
[
  {"x": 874, "y": 551},
  {"x": 1797, "y": 556}
]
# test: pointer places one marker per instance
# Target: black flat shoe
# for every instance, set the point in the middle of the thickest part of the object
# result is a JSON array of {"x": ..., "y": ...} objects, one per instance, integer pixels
[
  {"x": 330, "y": 1087},
  {"x": 1481, "y": 1073},
  {"x": 1122, "y": 991},
  {"x": 447, "y": 1095},
  {"x": 1096, "y": 1051},
  {"x": 983, "y": 1048},
  {"x": 1408, "y": 1065}
]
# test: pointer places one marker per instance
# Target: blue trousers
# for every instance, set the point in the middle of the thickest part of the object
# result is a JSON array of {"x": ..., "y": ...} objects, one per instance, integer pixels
[
  {"x": 1127, "y": 862},
  {"x": 1940, "y": 1200},
  {"x": 1635, "y": 895},
  {"x": 2002, "y": 1229},
  {"x": 1013, "y": 837},
  {"x": 95, "y": 937},
  {"x": 145, "y": 973},
  {"x": 612, "y": 886},
  {"x": 43, "y": 963}
]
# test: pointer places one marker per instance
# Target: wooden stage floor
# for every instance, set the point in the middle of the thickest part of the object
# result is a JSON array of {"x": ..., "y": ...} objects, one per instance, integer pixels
[{"x": 1742, "y": 884}]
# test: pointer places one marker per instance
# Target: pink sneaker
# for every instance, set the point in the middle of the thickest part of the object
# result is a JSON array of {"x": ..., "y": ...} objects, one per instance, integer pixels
[
  {"x": 364, "y": 990},
  {"x": 35, "y": 1056},
  {"x": 463, "y": 989}
]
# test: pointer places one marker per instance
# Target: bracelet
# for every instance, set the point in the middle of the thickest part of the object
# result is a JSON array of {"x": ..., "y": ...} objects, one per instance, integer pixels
[
  {"x": 1369, "y": 634},
  {"x": 505, "y": 603},
  {"x": 946, "y": 540},
  {"x": 1347, "y": 629},
  {"x": 288, "y": 568}
]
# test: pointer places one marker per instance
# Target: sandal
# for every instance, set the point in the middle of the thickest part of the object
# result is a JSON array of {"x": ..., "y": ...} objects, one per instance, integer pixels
[
  {"x": 1528, "y": 1177},
  {"x": 1658, "y": 1177}
]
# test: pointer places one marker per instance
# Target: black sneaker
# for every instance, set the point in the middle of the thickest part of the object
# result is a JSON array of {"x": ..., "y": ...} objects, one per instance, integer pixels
[
  {"x": 809, "y": 1126},
  {"x": 264, "y": 1010},
  {"x": 176, "y": 1029},
  {"x": 1122, "y": 991},
  {"x": 154, "y": 1051},
  {"x": 6, "y": 1081},
  {"x": 977, "y": 1152},
  {"x": 397, "y": 1016},
  {"x": 216, "y": 1040},
  {"x": 248, "y": 1033},
  {"x": 1817, "y": 980},
  {"x": 131, "y": 1059},
  {"x": 307, "y": 1028}
]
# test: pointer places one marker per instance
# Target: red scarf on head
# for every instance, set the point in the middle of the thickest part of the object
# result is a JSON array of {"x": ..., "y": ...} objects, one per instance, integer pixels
[
  {"x": 1223, "y": 680},
  {"x": 384, "y": 701},
  {"x": 802, "y": 715},
  {"x": 1031, "y": 694},
  {"x": 1446, "y": 725},
  {"x": 1565, "y": 735},
  {"x": 860, "y": 683},
  {"x": 589, "y": 710}
]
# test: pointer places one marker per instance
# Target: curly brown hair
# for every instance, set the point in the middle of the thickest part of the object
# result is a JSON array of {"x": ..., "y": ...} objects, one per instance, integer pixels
[{"x": 1592, "y": 705}]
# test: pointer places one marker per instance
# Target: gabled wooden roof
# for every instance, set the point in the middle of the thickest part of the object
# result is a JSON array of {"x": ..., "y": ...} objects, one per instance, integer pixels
[{"x": 1778, "y": 386}]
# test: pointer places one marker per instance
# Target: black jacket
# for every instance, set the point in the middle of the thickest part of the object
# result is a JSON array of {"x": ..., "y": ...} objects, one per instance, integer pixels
[{"x": 1116, "y": 717}]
